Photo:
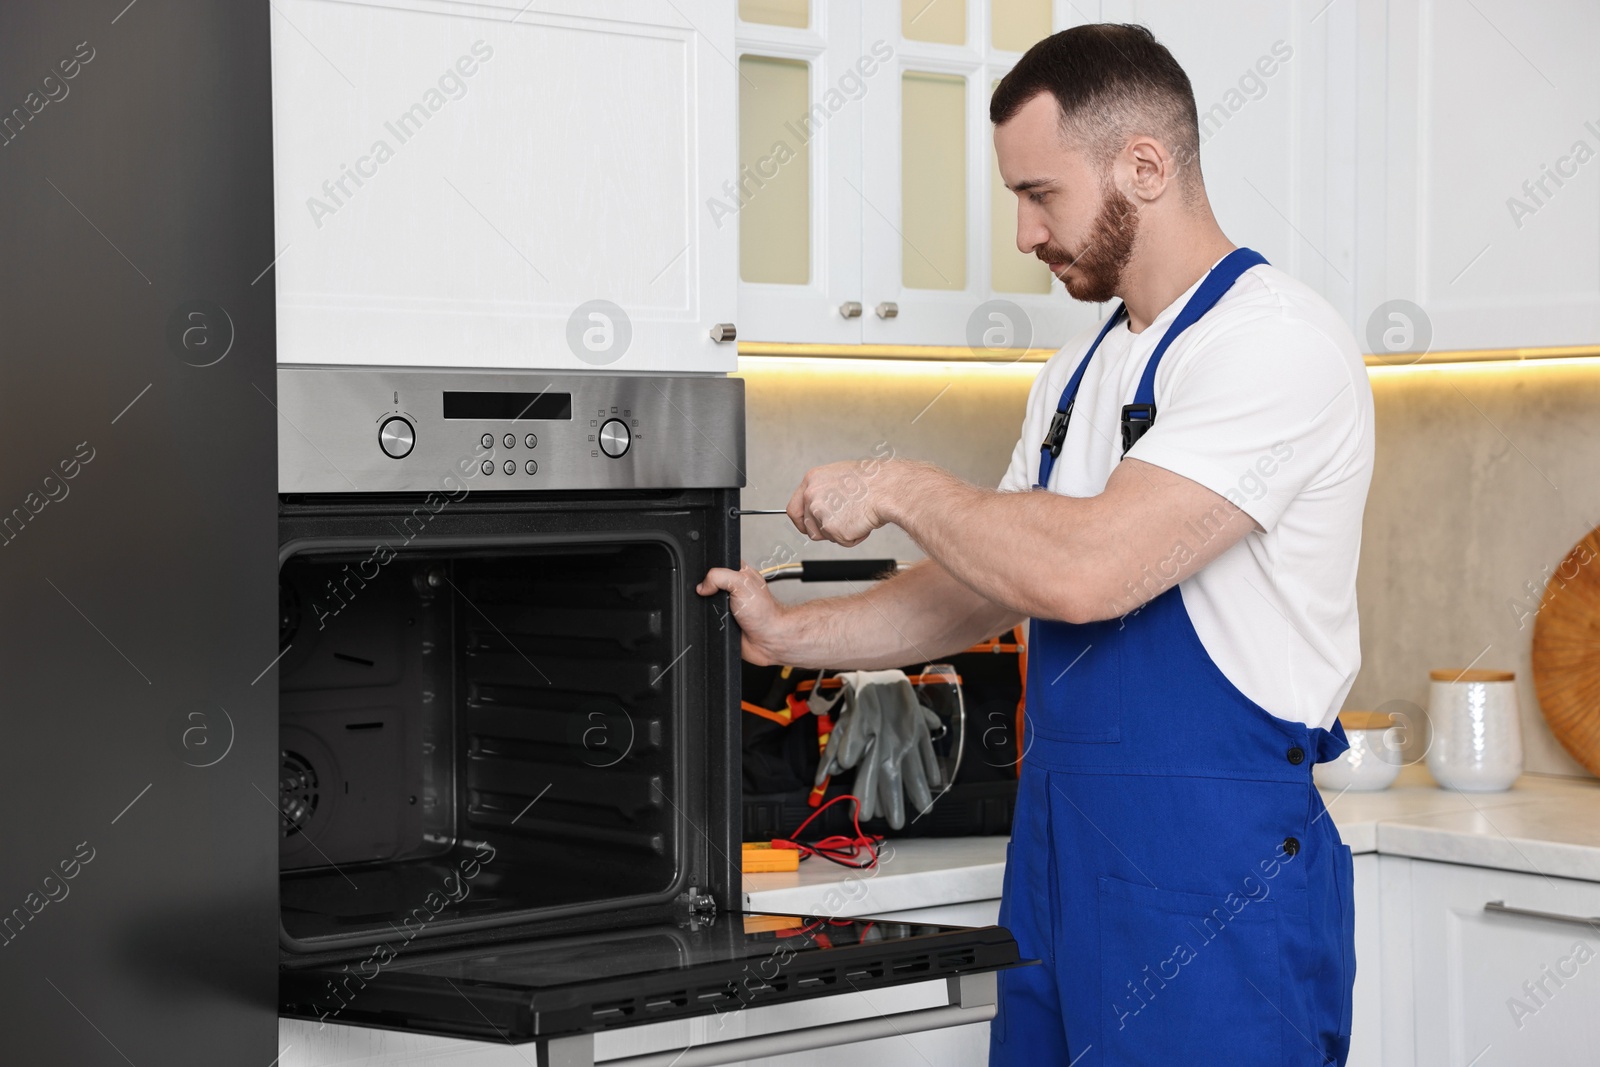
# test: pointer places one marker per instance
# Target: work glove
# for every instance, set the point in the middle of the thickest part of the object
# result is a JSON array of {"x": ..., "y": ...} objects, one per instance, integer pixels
[{"x": 887, "y": 734}]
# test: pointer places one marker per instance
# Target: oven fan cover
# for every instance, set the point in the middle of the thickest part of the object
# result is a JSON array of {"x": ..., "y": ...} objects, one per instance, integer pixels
[{"x": 298, "y": 793}]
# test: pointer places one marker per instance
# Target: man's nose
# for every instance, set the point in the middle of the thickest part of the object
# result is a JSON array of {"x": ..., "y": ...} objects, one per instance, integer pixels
[{"x": 1031, "y": 233}]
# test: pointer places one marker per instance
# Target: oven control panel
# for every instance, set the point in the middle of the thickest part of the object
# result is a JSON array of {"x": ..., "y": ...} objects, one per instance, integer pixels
[{"x": 391, "y": 429}]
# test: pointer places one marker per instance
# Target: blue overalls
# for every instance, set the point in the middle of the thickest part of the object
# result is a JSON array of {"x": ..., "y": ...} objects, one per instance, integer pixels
[{"x": 1171, "y": 864}]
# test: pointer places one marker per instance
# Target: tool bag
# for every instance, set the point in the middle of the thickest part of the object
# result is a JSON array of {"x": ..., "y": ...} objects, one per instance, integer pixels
[{"x": 981, "y": 702}]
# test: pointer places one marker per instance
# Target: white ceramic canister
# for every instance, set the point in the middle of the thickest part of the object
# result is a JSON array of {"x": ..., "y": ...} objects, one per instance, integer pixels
[
  {"x": 1373, "y": 759},
  {"x": 1477, "y": 734}
]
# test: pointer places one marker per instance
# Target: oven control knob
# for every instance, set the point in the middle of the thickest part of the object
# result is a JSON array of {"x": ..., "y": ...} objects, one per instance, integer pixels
[
  {"x": 614, "y": 438},
  {"x": 396, "y": 437}
]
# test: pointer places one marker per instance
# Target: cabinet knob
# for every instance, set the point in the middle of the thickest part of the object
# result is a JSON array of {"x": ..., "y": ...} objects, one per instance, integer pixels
[
  {"x": 850, "y": 309},
  {"x": 723, "y": 332},
  {"x": 887, "y": 310}
]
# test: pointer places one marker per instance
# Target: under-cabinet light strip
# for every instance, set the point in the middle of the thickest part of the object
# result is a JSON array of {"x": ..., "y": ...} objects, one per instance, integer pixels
[{"x": 1564, "y": 355}]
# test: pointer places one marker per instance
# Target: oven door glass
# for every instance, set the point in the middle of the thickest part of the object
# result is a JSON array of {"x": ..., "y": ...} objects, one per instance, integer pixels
[{"x": 530, "y": 990}]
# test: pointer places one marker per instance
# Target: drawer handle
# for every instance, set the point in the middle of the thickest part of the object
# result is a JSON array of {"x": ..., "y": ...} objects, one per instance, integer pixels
[{"x": 1500, "y": 907}]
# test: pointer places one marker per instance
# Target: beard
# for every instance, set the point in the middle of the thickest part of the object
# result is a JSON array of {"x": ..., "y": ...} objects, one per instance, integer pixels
[{"x": 1095, "y": 274}]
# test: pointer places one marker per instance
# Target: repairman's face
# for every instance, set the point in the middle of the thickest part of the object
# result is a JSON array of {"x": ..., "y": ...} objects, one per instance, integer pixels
[{"x": 1069, "y": 213}]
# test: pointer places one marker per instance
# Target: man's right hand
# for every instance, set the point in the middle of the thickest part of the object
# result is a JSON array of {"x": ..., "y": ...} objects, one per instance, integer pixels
[{"x": 759, "y": 614}]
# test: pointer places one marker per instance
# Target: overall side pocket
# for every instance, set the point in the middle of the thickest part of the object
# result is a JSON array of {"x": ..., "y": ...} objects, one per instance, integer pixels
[
  {"x": 1345, "y": 877},
  {"x": 1188, "y": 978}
]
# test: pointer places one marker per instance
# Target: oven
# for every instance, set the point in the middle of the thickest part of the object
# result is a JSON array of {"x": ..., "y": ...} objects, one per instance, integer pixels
[{"x": 508, "y": 725}]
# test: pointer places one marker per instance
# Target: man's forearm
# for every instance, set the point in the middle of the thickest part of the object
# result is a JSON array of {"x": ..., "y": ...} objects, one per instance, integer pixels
[
  {"x": 921, "y": 614},
  {"x": 955, "y": 523},
  {"x": 1077, "y": 559}
]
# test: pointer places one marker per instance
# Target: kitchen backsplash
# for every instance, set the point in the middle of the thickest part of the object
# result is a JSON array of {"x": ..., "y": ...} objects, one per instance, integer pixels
[{"x": 1485, "y": 478}]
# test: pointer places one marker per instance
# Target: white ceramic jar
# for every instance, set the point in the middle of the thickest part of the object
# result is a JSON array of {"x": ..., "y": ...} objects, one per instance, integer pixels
[
  {"x": 1373, "y": 759},
  {"x": 1476, "y": 745}
]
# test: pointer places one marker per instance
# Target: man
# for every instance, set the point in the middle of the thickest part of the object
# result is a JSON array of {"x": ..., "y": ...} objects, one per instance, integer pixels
[{"x": 1188, "y": 559}]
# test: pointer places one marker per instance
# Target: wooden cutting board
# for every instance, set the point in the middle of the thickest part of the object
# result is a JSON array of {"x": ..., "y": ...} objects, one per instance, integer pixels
[{"x": 1566, "y": 652}]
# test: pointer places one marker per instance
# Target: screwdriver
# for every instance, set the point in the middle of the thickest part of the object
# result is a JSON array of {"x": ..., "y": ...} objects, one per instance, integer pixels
[{"x": 737, "y": 512}]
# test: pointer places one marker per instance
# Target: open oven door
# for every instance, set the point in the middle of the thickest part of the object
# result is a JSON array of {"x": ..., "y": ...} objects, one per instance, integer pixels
[{"x": 560, "y": 991}]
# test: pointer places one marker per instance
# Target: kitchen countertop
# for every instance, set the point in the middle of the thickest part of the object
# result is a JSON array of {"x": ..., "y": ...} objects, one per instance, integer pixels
[
  {"x": 911, "y": 873},
  {"x": 1542, "y": 825}
]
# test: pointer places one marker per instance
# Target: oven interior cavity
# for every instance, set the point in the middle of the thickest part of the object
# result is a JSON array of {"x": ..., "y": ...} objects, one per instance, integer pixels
[{"x": 475, "y": 734}]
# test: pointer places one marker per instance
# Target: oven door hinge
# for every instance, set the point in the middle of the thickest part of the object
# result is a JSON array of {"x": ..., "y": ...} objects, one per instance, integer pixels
[{"x": 700, "y": 906}]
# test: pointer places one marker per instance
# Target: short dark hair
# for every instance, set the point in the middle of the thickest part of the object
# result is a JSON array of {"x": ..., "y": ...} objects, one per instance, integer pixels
[{"x": 1111, "y": 81}]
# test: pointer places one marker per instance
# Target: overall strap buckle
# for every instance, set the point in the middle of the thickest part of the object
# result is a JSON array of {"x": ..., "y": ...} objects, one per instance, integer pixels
[
  {"x": 1136, "y": 422},
  {"x": 1057, "y": 433}
]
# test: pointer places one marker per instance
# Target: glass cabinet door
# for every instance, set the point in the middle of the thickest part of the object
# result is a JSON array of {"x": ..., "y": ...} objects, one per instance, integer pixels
[
  {"x": 774, "y": 172},
  {"x": 940, "y": 264},
  {"x": 933, "y": 180},
  {"x": 803, "y": 76},
  {"x": 869, "y": 204}
]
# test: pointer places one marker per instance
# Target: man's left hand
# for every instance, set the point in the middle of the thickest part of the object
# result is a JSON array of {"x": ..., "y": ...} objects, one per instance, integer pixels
[{"x": 844, "y": 502}]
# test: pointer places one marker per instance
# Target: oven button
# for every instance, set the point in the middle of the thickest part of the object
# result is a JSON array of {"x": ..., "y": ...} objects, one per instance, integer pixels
[
  {"x": 488, "y": 466},
  {"x": 511, "y": 466},
  {"x": 614, "y": 438},
  {"x": 531, "y": 440},
  {"x": 511, "y": 440},
  {"x": 487, "y": 441},
  {"x": 532, "y": 467},
  {"x": 396, "y": 438}
]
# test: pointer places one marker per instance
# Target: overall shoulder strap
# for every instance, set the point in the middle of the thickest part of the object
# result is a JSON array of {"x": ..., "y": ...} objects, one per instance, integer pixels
[
  {"x": 1139, "y": 416},
  {"x": 1053, "y": 438}
]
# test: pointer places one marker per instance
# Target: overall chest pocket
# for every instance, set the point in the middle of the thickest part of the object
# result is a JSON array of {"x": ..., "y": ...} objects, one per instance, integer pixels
[{"x": 1075, "y": 681}]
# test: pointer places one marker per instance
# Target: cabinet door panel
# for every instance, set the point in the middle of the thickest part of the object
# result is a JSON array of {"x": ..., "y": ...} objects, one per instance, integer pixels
[
  {"x": 1509, "y": 989},
  {"x": 1275, "y": 170},
  {"x": 819, "y": 137},
  {"x": 1491, "y": 210},
  {"x": 455, "y": 183},
  {"x": 1367, "y": 999},
  {"x": 937, "y": 235}
]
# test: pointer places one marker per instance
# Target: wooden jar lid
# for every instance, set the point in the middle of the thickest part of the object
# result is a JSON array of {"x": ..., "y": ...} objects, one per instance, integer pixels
[
  {"x": 1472, "y": 676},
  {"x": 1366, "y": 720}
]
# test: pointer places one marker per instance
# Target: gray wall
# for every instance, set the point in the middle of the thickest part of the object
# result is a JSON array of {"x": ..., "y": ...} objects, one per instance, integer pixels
[
  {"x": 802, "y": 414},
  {"x": 1485, "y": 479}
]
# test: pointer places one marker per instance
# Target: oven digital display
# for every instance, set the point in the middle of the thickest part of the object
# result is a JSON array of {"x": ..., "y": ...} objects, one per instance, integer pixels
[{"x": 512, "y": 406}]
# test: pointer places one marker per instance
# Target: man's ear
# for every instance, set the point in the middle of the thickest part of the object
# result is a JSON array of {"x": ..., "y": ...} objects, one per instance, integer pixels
[{"x": 1150, "y": 168}]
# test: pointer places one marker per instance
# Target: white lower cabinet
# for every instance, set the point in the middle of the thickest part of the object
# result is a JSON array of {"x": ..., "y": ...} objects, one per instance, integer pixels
[
  {"x": 1498, "y": 985},
  {"x": 1366, "y": 1034},
  {"x": 955, "y": 1046}
]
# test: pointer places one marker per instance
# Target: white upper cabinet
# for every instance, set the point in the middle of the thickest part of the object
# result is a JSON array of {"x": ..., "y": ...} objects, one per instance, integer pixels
[
  {"x": 939, "y": 227},
  {"x": 885, "y": 221},
  {"x": 1276, "y": 126},
  {"x": 503, "y": 184},
  {"x": 1481, "y": 202},
  {"x": 802, "y": 77}
]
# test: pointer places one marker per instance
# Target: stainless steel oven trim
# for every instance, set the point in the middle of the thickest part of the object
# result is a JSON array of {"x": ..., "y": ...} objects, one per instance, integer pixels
[
  {"x": 683, "y": 879},
  {"x": 679, "y": 432}
]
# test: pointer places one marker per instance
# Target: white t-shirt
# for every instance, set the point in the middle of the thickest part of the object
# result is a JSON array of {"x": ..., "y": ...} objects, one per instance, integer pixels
[{"x": 1264, "y": 401}]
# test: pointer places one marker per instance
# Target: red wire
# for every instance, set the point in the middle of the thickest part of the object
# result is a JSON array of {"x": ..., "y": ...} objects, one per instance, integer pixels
[{"x": 837, "y": 848}]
